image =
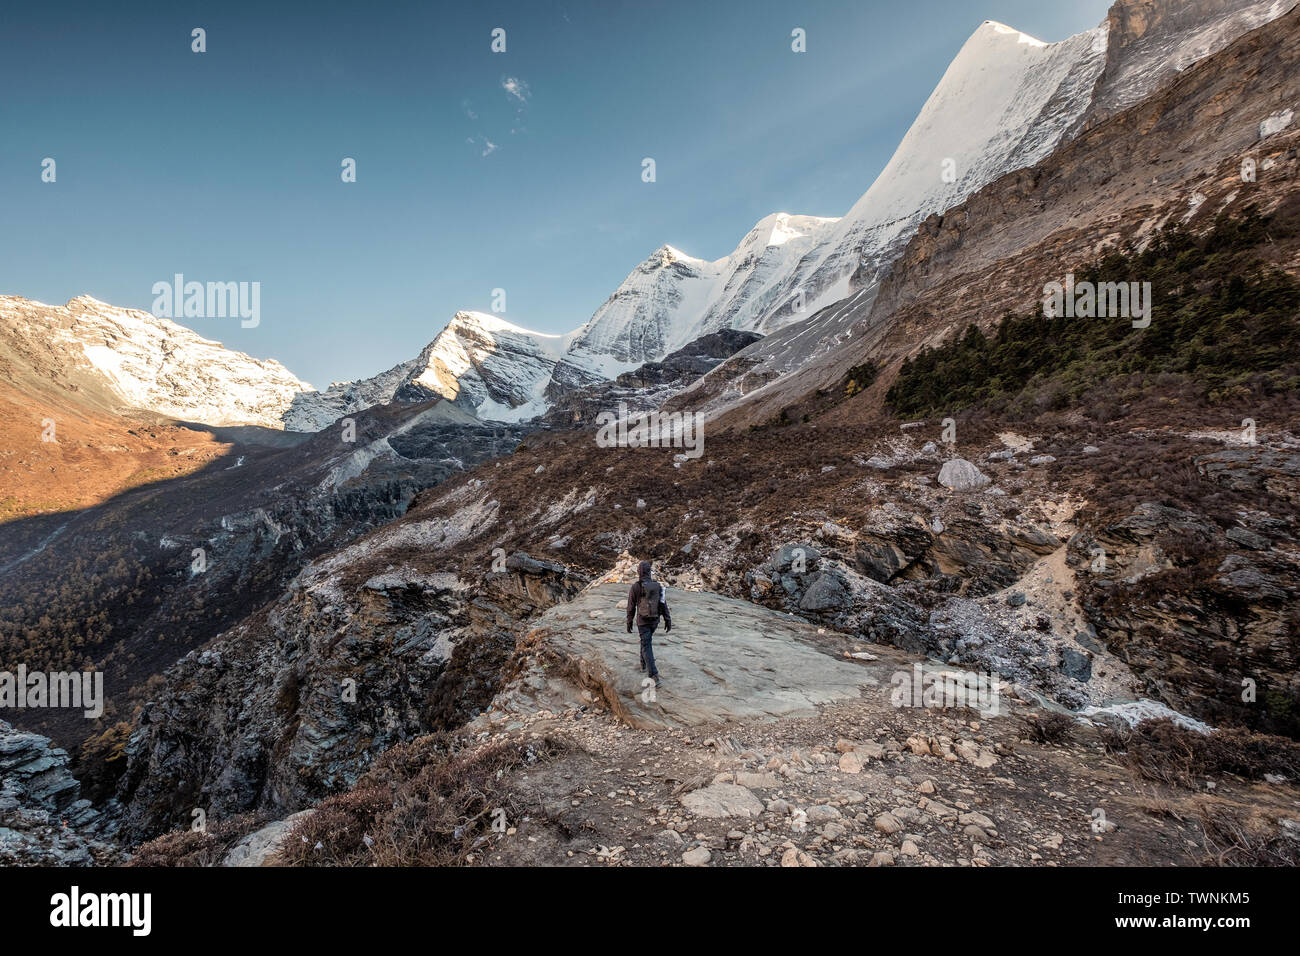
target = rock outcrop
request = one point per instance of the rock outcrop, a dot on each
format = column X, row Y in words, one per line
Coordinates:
column 1203, row 614
column 648, row 386
column 43, row 818
column 296, row 702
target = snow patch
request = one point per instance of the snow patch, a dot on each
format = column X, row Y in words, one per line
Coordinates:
column 1133, row 712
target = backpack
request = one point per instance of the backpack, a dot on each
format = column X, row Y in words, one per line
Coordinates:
column 647, row 606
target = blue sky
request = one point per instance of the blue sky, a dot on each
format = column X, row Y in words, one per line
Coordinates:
column 225, row 165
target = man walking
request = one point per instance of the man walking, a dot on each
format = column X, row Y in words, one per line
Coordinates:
column 645, row 605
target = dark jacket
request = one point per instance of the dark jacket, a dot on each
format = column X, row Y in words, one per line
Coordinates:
column 634, row 598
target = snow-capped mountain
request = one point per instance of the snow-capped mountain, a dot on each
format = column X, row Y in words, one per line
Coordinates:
column 1003, row 104
column 1006, row 102
column 671, row 298
column 134, row 360
column 482, row 363
column 503, row 372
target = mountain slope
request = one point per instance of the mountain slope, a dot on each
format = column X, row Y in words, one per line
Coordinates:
column 485, row 365
column 1006, row 102
column 119, row 359
column 1152, row 40
column 127, row 585
column 1118, row 181
column 671, row 298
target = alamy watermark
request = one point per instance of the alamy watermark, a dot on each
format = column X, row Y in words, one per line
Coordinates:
column 211, row 300
column 127, row 910
column 1099, row 300
column 945, row 688
column 25, row 689
column 683, row 430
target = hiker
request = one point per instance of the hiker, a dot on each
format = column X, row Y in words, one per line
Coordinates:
column 646, row 604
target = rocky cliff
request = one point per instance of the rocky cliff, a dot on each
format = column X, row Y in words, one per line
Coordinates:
column 296, row 702
column 44, row 820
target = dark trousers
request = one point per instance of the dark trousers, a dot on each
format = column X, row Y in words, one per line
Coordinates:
column 647, row 632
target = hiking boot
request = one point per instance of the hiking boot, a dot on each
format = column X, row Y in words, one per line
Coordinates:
column 659, row 681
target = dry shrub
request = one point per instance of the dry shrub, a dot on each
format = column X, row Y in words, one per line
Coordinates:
column 335, row 834
column 1166, row 752
column 1231, row 841
column 1115, row 737
column 198, row 848
column 1049, row 728
column 1155, row 805
column 428, row 802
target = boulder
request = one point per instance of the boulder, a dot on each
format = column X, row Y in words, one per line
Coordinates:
column 822, row 813
column 260, row 845
column 787, row 556
column 958, row 474
column 850, row 763
column 827, row 592
column 699, row 856
column 888, row 824
column 1075, row 664
column 720, row 800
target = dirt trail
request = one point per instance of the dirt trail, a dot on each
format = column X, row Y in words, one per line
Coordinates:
column 767, row 745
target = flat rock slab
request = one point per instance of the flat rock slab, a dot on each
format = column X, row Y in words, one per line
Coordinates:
column 724, row 659
column 722, row 800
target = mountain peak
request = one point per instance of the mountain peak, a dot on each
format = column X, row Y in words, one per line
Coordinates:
column 1000, row 31
column 89, row 301
column 666, row 255
column 780, row 227
column 154, row 364
column 486, row 321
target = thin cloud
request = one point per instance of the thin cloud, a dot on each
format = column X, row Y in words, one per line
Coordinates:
column 516, row 89
column 518, row 94
column 482, row 142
